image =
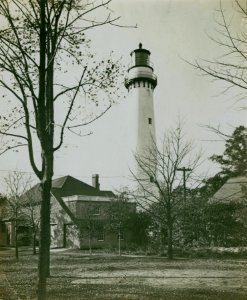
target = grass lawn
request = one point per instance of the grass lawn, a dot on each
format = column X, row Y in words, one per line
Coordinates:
column 76, row 275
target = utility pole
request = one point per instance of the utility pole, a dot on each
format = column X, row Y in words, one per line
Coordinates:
column 184, row 170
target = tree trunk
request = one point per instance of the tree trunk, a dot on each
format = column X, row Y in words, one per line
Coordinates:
column 169, row 234
column 44, row 241
column 119, row 241
column 162, row 239
column 16, row 240
column 170, row 242
column 34, row 242
column 90, row 244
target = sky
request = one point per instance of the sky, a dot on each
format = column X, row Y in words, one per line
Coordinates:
column 174, row 31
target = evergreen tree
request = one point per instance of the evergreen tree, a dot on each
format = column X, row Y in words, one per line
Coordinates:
column 234, row 159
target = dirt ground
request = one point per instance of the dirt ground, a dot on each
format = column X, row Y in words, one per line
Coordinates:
column 77, row 275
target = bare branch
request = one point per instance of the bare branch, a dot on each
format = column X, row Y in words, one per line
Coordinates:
column 231, row 66
column 217, row 131
column 12, row 147
column 13, row 135
column 69, row 111
column 92, row 120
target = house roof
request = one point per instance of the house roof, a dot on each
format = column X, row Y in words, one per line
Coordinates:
column 234, row 190
column 69, row 186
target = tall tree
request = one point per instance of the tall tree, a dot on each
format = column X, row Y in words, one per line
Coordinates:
column 42, row 48
column 159, row 178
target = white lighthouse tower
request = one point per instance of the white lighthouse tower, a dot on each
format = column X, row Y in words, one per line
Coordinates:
column 141, row 82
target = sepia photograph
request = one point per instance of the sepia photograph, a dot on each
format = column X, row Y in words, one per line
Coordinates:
column 123, row 149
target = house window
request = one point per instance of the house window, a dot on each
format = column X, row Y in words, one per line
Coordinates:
column 150, row 121
column 121, row 235
column 96, row 211
column 101, row 236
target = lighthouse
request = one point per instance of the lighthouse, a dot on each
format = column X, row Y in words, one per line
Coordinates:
column 141, row 82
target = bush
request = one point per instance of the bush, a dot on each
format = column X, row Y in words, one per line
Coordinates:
column 24, row 239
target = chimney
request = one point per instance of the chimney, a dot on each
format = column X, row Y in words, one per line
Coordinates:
column 95, row 181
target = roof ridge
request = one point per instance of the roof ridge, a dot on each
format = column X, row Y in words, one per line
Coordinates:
column 66, row 177
column 60, row 180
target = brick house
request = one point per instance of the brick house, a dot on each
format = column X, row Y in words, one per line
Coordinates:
column 80, row 214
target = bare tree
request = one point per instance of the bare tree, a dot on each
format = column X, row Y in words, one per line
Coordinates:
column 17, row 184
column 230, row 67
column 159, row 179
column 31, row 207
column 42, row 47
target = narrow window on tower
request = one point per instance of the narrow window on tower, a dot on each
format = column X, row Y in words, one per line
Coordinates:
column 150, row 121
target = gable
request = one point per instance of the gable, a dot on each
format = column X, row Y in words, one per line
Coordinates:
column 234, row 190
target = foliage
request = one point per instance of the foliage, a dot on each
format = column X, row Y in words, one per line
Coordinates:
column 224, row 225
column 139, row 224
column 90, row 224
column 120, row 216
column 3, row 201
column 205, row 223
column 191, row 225
column 119, row 212
column 234, row 159
column 212, row 185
